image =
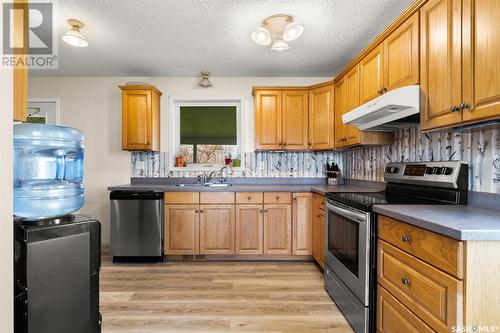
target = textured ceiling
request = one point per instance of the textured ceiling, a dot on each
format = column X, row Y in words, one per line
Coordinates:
column 182, row 37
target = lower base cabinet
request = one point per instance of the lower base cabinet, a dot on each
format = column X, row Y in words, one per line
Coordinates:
column 394, row 317
column 302, row 224
column 249, row 229
column 318, row 229
column 217, row 229
column 278, row 229
column 181, row 232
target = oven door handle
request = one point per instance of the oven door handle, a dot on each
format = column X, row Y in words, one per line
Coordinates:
column 354, row 216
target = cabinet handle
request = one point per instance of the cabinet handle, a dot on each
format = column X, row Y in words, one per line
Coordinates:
column 405, row 238
column 454, row 108
column 465, row 106
column 201, row 211
column 196, row 211
column 277, row 197
column 405, row 281
column 384, row 90
column 249, row 198
column 379, row 92
column 261, row 211
column 318, row 215
column 265, row 210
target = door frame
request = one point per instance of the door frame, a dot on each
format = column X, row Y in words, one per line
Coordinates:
column 55, row 100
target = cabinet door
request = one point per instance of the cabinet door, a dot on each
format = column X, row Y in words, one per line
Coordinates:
column 321, row 118
column 481, row 62
column 319, row 237
column 249, row 229
column 181, row 229
column 295, row 119
column 401, row 55
column 371, row 75
column 136, row 119
column 217, row 229
column 340, row 109
column 440, row 68
column 352, row 102
column 278, row 229
column 394, row 317
column 302, row 224
column 268, row 119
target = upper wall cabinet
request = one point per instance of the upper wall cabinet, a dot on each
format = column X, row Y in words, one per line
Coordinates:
column 441, row 61
column 140, row 118
column 295, row 119
column 393, row 63
column 372, row 81
column 401, row 55
column 321, row 117
column 281, row 119
column 481, row 60
column 268, row 119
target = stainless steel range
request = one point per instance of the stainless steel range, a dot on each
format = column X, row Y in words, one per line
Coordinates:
column 350, row 231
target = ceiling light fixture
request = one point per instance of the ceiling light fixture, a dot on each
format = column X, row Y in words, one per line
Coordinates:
column 205, row 82
column 281, row 28
column 74, row 37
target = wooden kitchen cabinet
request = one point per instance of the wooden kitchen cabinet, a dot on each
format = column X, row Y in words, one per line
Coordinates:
column 278, row 229
column 481, row 60
column 321, row 117
column 249, row 229
column 441, row 63
column 318, row 229
column 295, row 119
column 181, row 229
column 341, row 131
column 371, row 75
column 268, row 119
column 281, row 118
column 217, row 229
column 441, row 281
column 302, row 224
column 140, row 118
column 401, row 55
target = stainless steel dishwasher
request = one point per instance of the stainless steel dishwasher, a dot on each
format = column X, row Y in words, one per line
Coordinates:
column 136, row 225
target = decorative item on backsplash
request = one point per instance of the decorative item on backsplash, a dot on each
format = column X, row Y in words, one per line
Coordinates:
column 481, row 150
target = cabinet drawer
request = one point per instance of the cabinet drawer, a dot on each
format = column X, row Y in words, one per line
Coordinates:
column 182, row 197
column 431, row 294
column 249, row 197
column 394, row 317
column 217, row 197
column 438, row 250
column 277, row 197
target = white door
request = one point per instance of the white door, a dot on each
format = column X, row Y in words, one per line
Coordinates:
column 43, row 112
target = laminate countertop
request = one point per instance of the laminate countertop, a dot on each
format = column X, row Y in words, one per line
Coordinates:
column 315, row 188
column 458, row 222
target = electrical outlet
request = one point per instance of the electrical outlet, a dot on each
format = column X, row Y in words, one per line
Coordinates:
column 261, row 165
column 139, row 164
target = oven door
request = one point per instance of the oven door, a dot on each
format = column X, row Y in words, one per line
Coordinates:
column 347, row 247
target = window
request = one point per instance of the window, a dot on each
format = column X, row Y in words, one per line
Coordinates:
column 208, row 133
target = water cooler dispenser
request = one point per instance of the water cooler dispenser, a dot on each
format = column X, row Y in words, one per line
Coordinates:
column 56, row 253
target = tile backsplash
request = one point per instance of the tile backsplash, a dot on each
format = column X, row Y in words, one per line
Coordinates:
column 481, row 150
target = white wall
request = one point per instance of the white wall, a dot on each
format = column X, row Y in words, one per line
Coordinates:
column 6, row 236
column 93, row 105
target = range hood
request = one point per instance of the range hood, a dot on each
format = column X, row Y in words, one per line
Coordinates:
column 396, row 109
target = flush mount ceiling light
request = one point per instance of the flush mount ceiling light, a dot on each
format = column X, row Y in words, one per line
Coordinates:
column 205, row 82
column 74, row 37
column 281, row 28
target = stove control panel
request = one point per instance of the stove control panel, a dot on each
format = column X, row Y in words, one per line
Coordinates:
column 449, row 174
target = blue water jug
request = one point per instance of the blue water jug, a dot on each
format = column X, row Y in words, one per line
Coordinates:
column 48, row 171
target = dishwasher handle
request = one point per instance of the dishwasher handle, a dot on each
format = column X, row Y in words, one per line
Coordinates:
column 134, row 195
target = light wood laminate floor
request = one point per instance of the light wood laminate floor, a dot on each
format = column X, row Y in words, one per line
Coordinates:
column 266, row 297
